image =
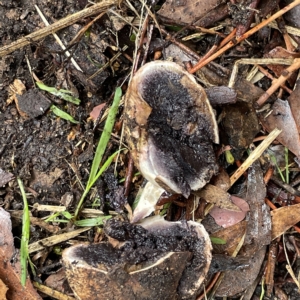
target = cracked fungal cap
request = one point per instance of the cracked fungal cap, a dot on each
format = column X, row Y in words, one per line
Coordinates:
column 156, row 259
column 170, row 128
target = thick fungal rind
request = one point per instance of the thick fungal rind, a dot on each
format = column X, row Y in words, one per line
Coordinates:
column 170, row 127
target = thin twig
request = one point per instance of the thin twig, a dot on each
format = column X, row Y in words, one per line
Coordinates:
column 254, row 155
column 129, row 176
column 281, row 80
column 245, row 35
column 228, row 38
column 58, row 40
column 149, row 37
column 270, row 76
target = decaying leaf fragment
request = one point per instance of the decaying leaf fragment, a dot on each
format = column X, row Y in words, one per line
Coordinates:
column 281, row 117
column 284, row 218
column 186, row 11
column 258, row 235
column 217, row 196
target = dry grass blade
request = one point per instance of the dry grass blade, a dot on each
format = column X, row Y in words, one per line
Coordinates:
column 256, row 61
column 50, row 292
column 254, row 155
column 58, row 40
column 53, row 240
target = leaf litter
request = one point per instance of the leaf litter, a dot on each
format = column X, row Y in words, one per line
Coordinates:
column 195, row 35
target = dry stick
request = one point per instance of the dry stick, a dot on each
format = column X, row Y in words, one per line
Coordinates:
column 268, row 174
column 58, row 40
column 254, row 155
column 149, row 38
column 51, row 292
column 210, row 286
column 186, row 49
column 129, row 176
column 141, row 40
column 272, row 255
column 281, row 80
column 245, row 35
column 270, row 76
column 228, row 38
column 41, row 33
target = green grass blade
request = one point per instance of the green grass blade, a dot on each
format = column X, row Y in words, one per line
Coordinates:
column 89, row 186
column 287, row 172
column 217, row 241
column 60, row 113
column 105, row 166
column 105, row 136
column 274, row 161
column 92, row 222
column 25, row 234
column 63, row 94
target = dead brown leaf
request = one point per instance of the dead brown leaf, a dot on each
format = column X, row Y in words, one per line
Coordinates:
column 258, row 231
column 56, row 281
column 44, row 179
column 281, row 117
column 94, row 114
column 3, row 290
column 234, row 282
column 5, row 177
column 280, row 52
column 284, row 218
column 294, row 102
column 221, row 180
column 186, row 11
column 232, row 235
column 258, row 235
column 6, row 239
column 217, row 196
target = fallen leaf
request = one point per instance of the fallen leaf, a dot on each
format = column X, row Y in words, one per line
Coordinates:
column 240, row 124
column 217, row 196
column 281, row 117
column 5, row 177
column 232, row 235
column 186, row 11
column 295, row 104
column 221, row 180
column 227, row 218
column 279, row 52
column 56, row 281
column 236, row 281
column 44, row 179
column 284, row 218
column 258, row 235
column 259, row 225
column 32, row 104
column 3, row 290
column 94, row 114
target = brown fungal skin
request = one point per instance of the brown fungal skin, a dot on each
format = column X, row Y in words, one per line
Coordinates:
column 170, row 128
column 154, row 260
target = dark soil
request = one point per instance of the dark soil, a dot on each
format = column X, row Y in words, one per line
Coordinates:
column 52, row 155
